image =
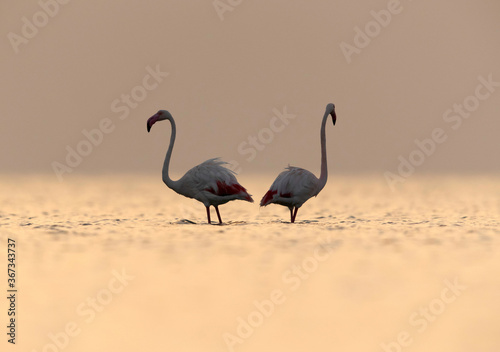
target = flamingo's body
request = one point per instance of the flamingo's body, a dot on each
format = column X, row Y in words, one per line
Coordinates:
column 294, row 186
column 210, row 182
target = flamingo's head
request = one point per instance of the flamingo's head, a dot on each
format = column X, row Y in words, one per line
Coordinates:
column 159, row 116
column 330, row 108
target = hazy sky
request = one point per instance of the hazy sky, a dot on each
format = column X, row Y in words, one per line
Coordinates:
column 233, row 68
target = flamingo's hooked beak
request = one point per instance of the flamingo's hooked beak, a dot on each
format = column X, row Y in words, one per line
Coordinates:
column 334, row 117
column 152, row 120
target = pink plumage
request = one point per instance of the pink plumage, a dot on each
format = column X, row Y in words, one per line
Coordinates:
column 224, row 189
column 268, row 197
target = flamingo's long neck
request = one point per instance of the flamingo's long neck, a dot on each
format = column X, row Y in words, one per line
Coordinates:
column 324, row 168
column 166, row 179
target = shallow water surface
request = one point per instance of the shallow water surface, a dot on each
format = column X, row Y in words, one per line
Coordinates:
column 121, row 263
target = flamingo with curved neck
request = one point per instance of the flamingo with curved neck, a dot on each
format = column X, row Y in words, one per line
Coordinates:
column 210, row 182
column 294, row 186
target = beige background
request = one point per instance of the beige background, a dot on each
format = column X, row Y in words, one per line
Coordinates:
column 226, row 77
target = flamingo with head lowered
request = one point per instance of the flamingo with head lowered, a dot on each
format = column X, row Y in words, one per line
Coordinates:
column 210, row 182
column 294, row 186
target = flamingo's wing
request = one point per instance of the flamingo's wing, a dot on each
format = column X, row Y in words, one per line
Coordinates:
column 293, row 182
column 206, row 174
column 214, row 177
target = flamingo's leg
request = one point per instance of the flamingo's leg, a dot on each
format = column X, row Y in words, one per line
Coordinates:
column 291, row 214
column 208, row 214
column 218, row 214
column 294, row 214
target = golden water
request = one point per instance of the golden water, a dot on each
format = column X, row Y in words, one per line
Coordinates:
column 363, row 269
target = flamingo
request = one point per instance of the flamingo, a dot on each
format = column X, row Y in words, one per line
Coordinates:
column 210, row 182
column 294, row 186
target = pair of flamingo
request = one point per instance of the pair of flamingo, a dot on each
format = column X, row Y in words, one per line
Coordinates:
column 213, row 184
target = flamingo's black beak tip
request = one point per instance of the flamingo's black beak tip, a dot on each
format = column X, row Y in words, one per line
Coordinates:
column 334, row 117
